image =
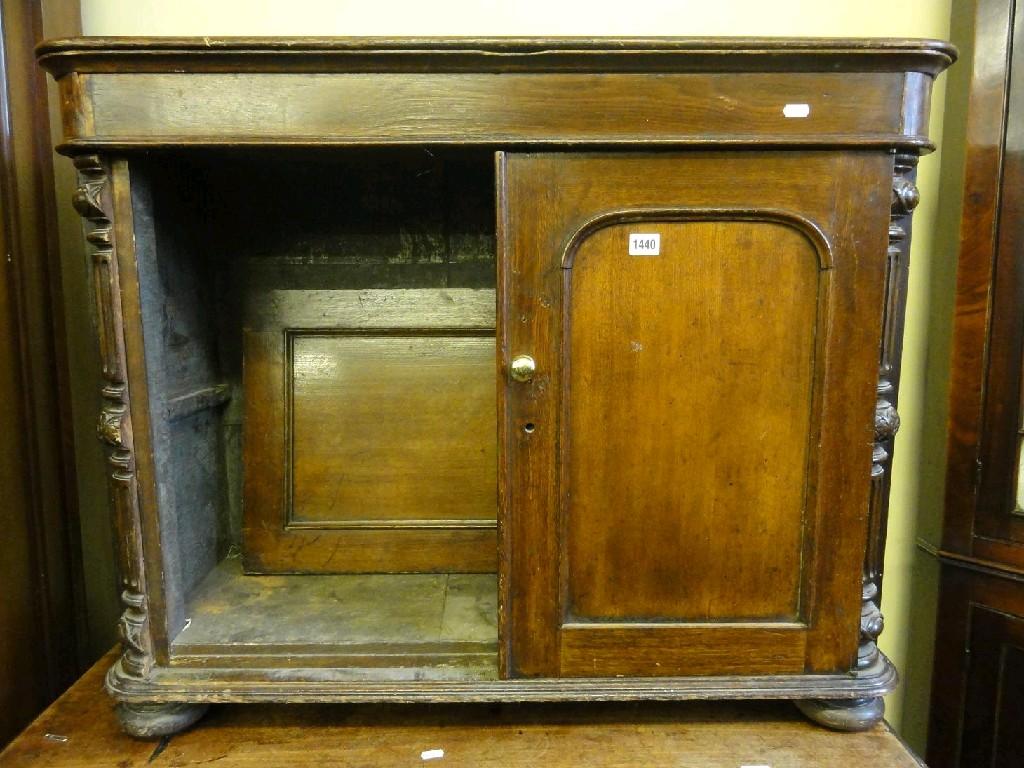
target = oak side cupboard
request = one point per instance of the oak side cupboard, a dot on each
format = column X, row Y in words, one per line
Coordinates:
column 498, row 369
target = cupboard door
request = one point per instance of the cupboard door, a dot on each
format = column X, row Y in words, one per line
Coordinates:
column 994, row 697
column 689, row 346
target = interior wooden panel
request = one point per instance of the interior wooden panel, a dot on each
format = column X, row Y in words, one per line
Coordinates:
column 386, row 266
column 392, row 428
column 688, row 411
column 370, row 431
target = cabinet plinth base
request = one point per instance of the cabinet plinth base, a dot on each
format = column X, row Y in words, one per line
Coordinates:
column 844, row 714
column 289, row 684
column 151, row 721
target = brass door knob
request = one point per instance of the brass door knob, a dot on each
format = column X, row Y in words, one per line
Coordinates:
column 523, row 367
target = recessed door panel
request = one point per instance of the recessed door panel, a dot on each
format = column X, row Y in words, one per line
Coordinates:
column 687, row 414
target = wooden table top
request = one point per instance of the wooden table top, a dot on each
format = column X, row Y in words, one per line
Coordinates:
column 80, row 729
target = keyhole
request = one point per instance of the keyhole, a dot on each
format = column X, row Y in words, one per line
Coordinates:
column 529, row 427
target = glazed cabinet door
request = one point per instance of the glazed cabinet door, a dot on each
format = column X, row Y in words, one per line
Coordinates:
column 688, row 346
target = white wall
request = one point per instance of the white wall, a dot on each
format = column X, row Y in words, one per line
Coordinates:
column 880, row 18
column 892, row 18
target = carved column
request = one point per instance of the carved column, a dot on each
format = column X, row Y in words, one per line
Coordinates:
column 905, row 198
column 92, row 200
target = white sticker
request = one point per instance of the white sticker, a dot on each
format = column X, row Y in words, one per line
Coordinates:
column 796, row 110
column 642, row 244
column 431, row 754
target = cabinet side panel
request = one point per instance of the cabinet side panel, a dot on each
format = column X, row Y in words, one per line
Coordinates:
column 176, row 304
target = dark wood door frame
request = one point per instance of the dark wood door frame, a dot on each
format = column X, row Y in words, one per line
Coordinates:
column 985, row 405
column 38, row 650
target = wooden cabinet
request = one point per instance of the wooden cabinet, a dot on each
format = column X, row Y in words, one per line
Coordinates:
column 978, row 675
column 498, row 369
column 979, row 670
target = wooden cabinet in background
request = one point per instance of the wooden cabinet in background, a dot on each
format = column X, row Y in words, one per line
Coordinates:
column 977, row 704
column 498, row 370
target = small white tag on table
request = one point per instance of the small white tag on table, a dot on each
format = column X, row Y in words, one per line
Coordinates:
column 796, row 110
column 645, row 244
column 431, row 754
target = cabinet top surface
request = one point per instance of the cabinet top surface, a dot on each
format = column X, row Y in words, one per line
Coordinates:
column 175, row 92
column 671, row 54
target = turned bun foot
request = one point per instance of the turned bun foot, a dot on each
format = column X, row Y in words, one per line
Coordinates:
column 151, row 721
column 844, row 714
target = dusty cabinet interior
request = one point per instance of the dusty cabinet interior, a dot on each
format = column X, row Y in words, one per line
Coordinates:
column 320, row 356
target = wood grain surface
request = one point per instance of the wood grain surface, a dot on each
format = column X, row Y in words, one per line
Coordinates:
column 763, row 264
column 982, row 518
column 976, row 704
column 382, row 405
column 342, row 620
column 493, row 54
column 393, row 428
column 128, row 92
column 481, row 108
column 80, row 730
column 689, row 397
